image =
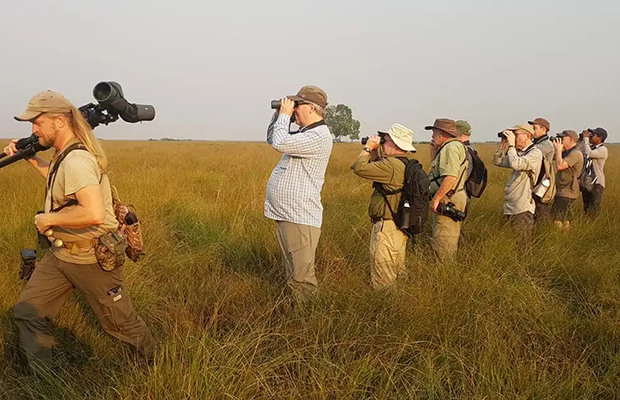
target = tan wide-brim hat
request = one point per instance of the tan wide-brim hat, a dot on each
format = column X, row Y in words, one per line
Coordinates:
column 446, row 125
column 45, row 102
column 401, row 135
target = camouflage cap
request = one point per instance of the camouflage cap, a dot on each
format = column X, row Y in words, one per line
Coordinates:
column 463, row 127
column 311, row 94
column 45, row 102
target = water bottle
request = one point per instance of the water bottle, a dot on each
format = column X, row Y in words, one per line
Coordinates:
column 405, row 213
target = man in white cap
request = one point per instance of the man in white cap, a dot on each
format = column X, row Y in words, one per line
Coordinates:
column 386, row 168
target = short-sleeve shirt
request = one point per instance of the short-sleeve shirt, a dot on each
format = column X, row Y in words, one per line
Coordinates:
column 567, row 180
column 76, row 172
column 450, row 161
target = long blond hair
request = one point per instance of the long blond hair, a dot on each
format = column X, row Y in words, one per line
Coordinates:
column 84, row 134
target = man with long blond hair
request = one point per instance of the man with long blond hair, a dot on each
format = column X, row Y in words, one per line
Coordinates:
column 78, row 211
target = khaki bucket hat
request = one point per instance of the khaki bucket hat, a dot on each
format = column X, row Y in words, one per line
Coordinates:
column 401, row 135
column 45, row 102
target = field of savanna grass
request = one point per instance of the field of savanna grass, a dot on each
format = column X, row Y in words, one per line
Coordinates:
column 499, row 323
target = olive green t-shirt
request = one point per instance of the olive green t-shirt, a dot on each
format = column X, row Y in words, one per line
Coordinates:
column 78, row 171
column 451, row 160
column 567, row 180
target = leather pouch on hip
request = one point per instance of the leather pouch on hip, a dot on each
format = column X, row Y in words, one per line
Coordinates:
column 110, row 251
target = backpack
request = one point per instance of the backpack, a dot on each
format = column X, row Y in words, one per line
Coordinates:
column 477, row 180
column 588, row 178
column 412, row 212
column 544, row 186
column 129, row 225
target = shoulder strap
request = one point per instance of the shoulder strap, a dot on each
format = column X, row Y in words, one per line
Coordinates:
column 384, row 193
column 51, row 176
column 437, row 178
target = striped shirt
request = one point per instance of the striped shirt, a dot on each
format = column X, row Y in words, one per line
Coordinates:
column 294, row 189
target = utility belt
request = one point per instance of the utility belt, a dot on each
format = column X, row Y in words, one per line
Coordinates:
column 109, row 248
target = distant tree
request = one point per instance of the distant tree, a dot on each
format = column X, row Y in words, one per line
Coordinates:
column 340, row 121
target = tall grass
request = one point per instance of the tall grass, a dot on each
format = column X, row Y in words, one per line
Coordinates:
column 499, row 323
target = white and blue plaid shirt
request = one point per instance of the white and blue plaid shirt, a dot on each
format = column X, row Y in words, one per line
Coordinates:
column 294, row 189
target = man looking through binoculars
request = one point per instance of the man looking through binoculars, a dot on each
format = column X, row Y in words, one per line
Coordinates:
column 294, row 189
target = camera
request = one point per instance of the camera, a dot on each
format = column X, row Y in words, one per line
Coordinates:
column 365, row 139
column 449, row 210
column 28, row 263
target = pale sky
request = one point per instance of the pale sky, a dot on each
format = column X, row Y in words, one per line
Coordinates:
column 211, row 68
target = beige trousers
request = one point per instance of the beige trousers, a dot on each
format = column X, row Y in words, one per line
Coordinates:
column 388, row 246
column 446, row 231
column 298, row 244
column 51, row 285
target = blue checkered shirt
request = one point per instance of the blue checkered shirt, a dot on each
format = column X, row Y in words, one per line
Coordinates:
column 294, row 189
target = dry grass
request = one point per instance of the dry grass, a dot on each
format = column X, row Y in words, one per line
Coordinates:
column 496, row 324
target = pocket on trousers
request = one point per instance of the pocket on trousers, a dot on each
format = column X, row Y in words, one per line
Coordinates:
column 117, row 311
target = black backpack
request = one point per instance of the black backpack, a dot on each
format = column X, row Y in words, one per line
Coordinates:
column 477, row 181
column 412, row 212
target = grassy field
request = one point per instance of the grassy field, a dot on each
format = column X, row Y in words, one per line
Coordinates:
column 496, row 324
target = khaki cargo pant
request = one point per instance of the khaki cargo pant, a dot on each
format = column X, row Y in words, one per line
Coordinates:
column 298, row 244
column 51, row 285
column 388, row 246
column 446, row 231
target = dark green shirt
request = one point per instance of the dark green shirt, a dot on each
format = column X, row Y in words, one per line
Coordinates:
column 388, row 170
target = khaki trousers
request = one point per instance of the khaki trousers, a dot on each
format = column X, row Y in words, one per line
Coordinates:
column 388, row 246
column 446, row 231
column 298, row 244
column 51, row 285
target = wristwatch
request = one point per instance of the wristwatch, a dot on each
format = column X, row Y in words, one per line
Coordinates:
column 366, row 149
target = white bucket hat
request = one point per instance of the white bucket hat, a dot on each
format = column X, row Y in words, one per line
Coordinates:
column 402, row 136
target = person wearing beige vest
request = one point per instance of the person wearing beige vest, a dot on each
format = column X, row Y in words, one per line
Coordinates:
column 78, row 210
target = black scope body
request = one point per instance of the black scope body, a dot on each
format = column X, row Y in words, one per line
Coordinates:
column 500, row 134
column 365, row 140
column 110, row 96
column 449, row 210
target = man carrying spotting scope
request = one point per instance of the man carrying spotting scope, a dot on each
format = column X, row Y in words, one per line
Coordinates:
column 79, row 213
